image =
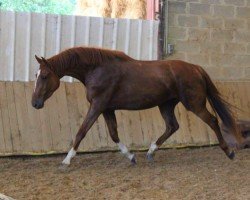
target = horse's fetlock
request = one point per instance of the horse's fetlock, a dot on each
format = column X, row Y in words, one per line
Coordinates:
column 224, row 147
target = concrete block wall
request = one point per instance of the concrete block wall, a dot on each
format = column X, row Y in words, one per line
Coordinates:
column 212, row 33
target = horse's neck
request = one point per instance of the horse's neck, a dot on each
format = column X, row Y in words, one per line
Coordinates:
column 77, row 73
column 62, row 66
column 58, row 67
column 76, row 70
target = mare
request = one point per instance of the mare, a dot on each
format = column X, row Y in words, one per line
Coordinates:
column 116, row 81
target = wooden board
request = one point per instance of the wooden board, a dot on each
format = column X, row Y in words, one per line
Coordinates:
column 15, row 133
column 3, row 141
column 34, row 121
column 23, row 117
column 24, row 129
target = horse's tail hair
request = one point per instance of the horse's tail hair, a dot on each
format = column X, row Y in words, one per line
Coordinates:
column 221, row 106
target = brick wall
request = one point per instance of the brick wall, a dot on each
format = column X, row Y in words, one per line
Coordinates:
column 214, row 34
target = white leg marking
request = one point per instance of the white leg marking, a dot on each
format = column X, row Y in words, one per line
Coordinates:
column 70, row 155
column 152, row 148
column 125, row 151
column 37, row 75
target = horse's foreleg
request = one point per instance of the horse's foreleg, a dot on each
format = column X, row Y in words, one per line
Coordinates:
column 92, row 115
column 167, row 112
column 110, row 119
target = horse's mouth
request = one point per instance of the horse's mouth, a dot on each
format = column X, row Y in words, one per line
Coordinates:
column 38, row 104
column 38, row 107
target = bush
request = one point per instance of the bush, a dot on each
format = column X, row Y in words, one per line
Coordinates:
column 41, row 6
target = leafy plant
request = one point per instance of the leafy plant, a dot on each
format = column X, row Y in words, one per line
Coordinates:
column 42, row 6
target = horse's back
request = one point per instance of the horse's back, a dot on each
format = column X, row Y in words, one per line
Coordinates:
column 146, row 84
column 184, row 70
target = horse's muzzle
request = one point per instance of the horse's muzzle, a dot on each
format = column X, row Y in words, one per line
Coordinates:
column 38, row 104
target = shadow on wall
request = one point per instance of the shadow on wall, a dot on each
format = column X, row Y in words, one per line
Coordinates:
column 133, row 9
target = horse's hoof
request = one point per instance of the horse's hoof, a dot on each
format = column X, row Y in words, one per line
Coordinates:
column 231, row 155
column 150, row 157
column 133, row 160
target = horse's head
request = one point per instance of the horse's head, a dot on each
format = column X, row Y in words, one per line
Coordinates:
column 45, row 85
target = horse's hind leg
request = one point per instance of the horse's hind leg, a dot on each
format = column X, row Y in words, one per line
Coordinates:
column 167, row 112
column 212, row 121
column 110, row 119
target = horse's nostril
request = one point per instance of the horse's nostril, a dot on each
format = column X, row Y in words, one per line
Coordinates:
column 37, row 105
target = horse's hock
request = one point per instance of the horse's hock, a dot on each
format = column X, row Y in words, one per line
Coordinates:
column 210, row 38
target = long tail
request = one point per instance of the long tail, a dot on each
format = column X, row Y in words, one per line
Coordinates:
column 221, row 107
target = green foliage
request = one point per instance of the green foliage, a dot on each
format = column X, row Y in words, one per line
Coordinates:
column 41, row 6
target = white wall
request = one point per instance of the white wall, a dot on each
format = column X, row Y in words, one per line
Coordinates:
column 22, row 35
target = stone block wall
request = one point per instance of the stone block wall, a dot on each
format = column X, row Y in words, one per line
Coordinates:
column 212, row 33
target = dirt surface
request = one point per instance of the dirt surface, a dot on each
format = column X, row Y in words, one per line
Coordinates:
column 203, row 173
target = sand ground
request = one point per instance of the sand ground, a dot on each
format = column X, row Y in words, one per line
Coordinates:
column 203, row 173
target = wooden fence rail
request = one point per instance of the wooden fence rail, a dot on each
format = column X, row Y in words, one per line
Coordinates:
column 25, row 130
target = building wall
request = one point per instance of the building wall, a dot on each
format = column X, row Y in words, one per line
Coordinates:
column 214, row 34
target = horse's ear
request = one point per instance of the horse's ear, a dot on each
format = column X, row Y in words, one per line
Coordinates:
column 39, row 60
column 46, row 62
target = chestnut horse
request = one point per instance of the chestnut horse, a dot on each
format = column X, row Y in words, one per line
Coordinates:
column 115, row 81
